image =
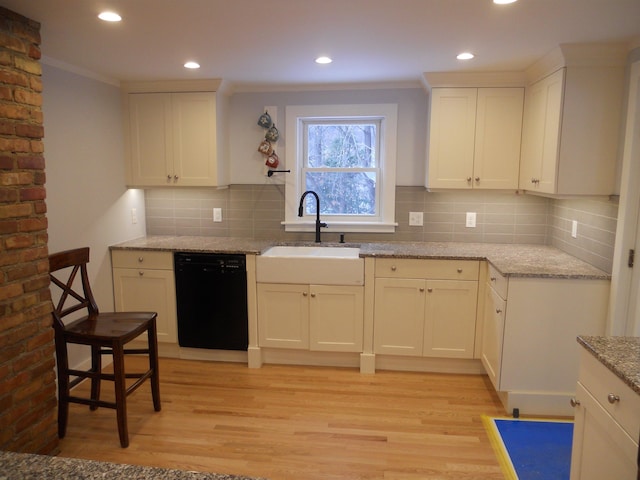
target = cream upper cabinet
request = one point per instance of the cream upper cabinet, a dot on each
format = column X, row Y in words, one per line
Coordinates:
column 571, row 131
column 607, row 422
column 311, row 317
column 174, row 137
column 425, row 307
column 474, row 139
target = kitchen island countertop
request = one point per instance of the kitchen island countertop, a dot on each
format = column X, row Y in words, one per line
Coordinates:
column 621, row 355
column 511, row 260
column 27, row 466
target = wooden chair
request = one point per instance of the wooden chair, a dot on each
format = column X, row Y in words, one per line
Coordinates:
column 106, row 334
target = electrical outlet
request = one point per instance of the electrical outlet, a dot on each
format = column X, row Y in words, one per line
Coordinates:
column 217, row 214
column 134, row 216
column 471, row 220
column 415, row 219
column 574, row 229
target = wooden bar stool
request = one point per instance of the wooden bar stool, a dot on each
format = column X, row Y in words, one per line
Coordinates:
column 106, row 334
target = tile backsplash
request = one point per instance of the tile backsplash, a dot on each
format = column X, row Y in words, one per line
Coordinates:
column 256, row 211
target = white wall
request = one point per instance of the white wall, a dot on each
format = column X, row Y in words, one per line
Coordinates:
column 87, row 202
column 247, row 164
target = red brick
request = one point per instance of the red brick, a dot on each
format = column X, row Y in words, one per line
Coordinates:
column 35, row 83
column 27, row 97
column 34, row 52
column 18, row 241
column 33, row 193
column 6, row 163
column 21, row 271
column 32, row 162
column 12, row 43
column 36, row 146
column 6, row 58
column 35, row 284
column 14, row 112
column 41, row 339
column 11, row 290
column 16, row 178
column 28, row 65
column 11, row 77
column 28, row 30
column 32, row 224
column 31, row 131
column 8, row 195
column 15, row 145
column 39, row 208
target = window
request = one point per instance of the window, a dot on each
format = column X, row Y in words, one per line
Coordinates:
column 346, row 154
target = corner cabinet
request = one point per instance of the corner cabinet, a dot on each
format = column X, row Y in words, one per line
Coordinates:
column 311, row 317
column 175, row 138
column 144, row 281
column 607, row 424
column 570, row 133
column 425, row 307
column 474, row 138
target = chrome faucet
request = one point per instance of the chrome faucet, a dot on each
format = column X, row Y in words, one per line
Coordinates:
column 301, row 211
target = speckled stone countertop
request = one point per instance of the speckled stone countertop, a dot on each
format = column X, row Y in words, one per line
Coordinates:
column 621, row 355
column 510, row 260
column 25, row 466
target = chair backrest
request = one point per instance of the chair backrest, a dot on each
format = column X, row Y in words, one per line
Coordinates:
column 71, row 300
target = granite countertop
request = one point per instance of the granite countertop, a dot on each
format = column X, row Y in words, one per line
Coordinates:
column 621, row 355
column 26, row 466
column 511, row 260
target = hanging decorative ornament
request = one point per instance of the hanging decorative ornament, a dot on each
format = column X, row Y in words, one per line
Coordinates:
column 272, row 134
column 265, row 148
column 265, row 120
column 272, row 160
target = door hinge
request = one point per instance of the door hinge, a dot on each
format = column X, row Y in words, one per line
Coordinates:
column 632, row 254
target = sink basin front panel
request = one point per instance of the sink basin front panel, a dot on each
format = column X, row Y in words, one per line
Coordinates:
column 310, row 270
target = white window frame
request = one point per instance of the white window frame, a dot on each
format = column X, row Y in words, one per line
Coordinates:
column 296, row 116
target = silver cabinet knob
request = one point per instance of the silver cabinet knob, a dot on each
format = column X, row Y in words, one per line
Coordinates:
column 498, row 311
column 574, row 402
column 175, row 177
column 313, row 295
column 168, row 177
column 421, row 289
column 141, row 273
column 459, row 270
column 304, row 294
column 393, row 268
column 478, row 179
column 493, row 279
column 612, row 398
column 469, row 179
column 429, row 290
column 140, row 259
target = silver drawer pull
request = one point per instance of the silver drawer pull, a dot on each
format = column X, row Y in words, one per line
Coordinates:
column 612, row 398
column 141, row 273
column 459, row 270
column 574, row 402
column 498, row 311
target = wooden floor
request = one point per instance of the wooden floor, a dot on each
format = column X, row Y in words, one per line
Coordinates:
column 303, row 423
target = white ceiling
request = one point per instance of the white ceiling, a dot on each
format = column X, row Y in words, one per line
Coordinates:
column 274, row 42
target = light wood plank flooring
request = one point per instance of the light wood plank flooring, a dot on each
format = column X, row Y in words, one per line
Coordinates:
column 290, row 422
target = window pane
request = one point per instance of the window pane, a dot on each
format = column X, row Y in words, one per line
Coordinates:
column 342, row 193
column 341, row 145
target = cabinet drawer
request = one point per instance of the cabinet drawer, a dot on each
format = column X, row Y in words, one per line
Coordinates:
column 436, row 269
column 497, row 281
column 602, row 383
column 142, row 259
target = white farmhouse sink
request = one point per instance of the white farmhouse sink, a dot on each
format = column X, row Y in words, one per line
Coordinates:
column 311, row 265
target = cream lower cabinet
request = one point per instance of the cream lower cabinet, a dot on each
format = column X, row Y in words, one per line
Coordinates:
column 421, row 316
column 495, row 307
column 607, row 425
column 311, row 317
column 144, row 281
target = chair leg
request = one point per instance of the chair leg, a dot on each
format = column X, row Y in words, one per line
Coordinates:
column 96, row 367
column 153, row 365
column 121, row 394
column 63, row 402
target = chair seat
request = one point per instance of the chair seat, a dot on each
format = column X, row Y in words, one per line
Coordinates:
column 123, row 326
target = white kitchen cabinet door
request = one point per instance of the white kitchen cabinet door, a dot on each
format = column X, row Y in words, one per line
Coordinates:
column 492, row 335
column 336, row 318
column 151, row 141
column 399, row 316
column 148, row 290
column 541, row 134
column 451, row 137
column 450, row 318
column 601, row 448
column 498, row 134
column 283, row 315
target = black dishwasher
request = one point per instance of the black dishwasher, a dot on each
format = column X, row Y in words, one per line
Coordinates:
column 211, row 296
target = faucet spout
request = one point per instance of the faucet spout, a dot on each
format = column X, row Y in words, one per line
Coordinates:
column 301, row 212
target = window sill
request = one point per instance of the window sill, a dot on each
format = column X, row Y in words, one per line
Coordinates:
column 340, row 227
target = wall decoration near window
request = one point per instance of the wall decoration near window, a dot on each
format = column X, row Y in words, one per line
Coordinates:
column 270, row 137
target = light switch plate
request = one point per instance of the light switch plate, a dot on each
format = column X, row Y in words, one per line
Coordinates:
column 217, row 214
column 415, row 219
column 134, row 216
column 471, row 220
column 574, row 229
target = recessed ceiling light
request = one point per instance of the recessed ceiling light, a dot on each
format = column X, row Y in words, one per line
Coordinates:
column 323, row 60
column 110, row 17
column 465, row 56
column 504, row 2
column 192, row 65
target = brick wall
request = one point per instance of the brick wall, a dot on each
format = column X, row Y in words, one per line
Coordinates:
column 27, row 379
